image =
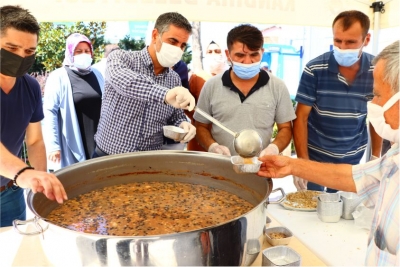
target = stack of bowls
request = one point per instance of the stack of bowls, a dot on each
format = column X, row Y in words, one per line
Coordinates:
column 329, row 207
column 350, row 203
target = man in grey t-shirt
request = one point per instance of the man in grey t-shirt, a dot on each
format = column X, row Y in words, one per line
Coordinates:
column 244, row 97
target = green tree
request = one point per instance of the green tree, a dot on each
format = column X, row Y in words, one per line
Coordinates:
column 131, row 44
column 51, row 48
column 187, row 55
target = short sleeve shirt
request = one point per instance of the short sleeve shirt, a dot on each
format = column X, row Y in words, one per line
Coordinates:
column 378, row 182
column 337, row 129
column 267, row 104
column 21, row 106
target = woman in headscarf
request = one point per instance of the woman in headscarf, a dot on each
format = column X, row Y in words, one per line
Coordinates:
column 72, row 103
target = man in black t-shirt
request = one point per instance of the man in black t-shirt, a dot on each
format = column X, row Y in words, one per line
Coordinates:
column 21, row 113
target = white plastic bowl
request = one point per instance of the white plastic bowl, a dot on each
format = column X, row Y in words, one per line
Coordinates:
column 174, row 132
column 280, row 256
column 280, row 241
column 240, row 166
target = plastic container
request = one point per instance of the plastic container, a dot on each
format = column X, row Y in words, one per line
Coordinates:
column 329, row 211
column 350, row 202
column 245, row 165
column 278, row 241
column 329, row 197
column 280, row 256
column 174, row 132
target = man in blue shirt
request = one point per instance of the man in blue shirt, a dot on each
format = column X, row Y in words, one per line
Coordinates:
column 332, row 99
column 21, row 113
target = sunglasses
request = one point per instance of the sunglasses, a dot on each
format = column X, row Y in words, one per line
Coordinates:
column 216, row 51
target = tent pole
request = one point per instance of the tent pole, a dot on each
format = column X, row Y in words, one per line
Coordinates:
column 378, row 9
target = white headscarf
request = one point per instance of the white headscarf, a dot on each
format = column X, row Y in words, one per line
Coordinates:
column 72, row 42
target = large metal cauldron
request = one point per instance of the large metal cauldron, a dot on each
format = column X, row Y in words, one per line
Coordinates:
column 235, row 242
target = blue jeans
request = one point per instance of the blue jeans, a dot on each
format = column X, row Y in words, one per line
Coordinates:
column 12, row 205
column 317, row 187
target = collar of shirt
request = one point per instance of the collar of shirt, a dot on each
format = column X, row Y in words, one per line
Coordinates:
column 262, row 80
column 148, row 62
column 333, row 66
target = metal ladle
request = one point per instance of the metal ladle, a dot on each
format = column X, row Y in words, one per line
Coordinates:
column 247, row 143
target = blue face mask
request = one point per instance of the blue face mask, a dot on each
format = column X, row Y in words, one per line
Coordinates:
column 347, row 57
column 246, row 71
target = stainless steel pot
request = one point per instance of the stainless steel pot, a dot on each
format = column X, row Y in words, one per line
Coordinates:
column 234, row 242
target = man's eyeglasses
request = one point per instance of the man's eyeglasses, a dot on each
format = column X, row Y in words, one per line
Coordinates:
column 369, row 97
column 216, row 51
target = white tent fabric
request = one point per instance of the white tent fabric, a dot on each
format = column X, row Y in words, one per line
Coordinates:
column 292, row 12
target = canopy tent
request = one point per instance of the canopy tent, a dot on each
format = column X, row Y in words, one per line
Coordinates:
column 293, row 12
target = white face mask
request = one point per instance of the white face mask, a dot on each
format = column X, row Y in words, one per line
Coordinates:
column 216, row 63
column 375, row 116
column 169, row 55
column 82, row 61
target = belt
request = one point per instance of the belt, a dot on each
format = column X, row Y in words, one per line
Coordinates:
column 8, row 185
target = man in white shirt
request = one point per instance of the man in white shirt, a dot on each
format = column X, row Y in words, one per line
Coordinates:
column 377, row 181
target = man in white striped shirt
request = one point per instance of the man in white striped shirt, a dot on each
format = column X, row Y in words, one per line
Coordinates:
column 377, row 181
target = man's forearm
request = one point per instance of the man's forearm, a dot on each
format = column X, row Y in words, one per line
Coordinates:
column 300, row 138
column 9, row 163
column 37, row 156
column 283, row 138
column 203, row 136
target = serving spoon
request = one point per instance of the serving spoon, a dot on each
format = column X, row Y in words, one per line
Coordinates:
column 247, row 143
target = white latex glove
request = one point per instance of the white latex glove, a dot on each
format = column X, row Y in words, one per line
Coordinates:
column 179, row 97
column 373, row 157
column 300, row 183
column 190, row 129
column 218, row 149
column 271, row 149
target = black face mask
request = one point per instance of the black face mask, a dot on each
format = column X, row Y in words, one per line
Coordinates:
column 14, row 65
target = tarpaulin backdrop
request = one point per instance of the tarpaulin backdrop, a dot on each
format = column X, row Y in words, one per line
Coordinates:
column 292, row 12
